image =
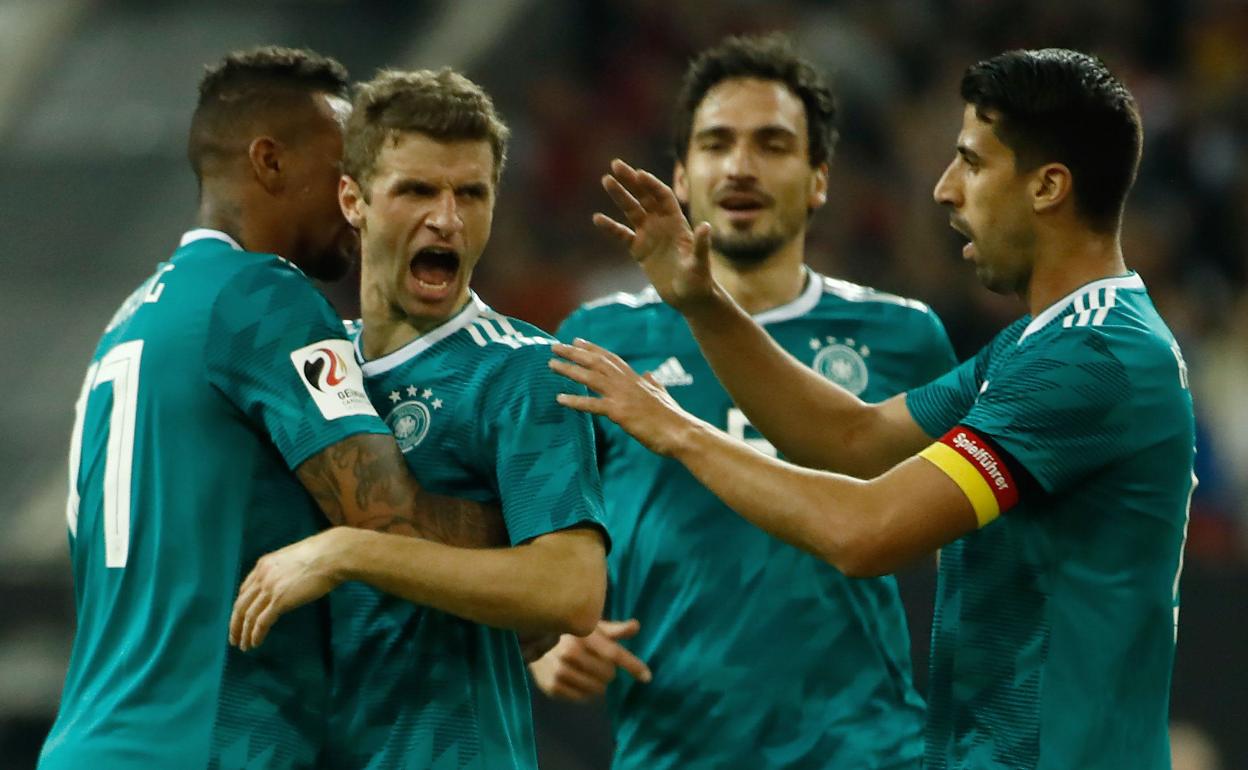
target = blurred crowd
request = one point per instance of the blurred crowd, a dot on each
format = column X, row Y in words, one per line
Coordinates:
column 607, row 90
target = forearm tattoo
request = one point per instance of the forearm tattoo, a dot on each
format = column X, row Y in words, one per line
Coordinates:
column 362, row 482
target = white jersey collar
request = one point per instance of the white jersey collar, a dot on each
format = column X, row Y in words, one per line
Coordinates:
column 1131, row 280
column 798, row 307
column 455, row 323
column 201, row 233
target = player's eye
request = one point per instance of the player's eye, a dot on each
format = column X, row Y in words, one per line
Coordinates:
column 416, row 190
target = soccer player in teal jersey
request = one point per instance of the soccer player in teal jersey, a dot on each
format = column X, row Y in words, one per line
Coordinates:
column 438, row 680
column 1058, row 482
column 762, row 656
column 221, row 374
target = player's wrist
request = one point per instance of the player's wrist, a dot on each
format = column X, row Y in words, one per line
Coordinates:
column 707, row 308
column 343, row 550
column 686, row 439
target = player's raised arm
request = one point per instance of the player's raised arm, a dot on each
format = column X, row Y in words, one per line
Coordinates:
column 811, row 420
column 362, row 481
column 863, row 528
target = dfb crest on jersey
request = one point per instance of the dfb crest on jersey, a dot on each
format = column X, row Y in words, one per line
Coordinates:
column 409, row 421
column 842, row 362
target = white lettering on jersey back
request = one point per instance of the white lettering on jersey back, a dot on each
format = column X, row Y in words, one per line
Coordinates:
column 150, row 291
column 333, row 378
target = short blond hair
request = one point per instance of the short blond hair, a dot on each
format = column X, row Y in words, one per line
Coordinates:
column 441, row 104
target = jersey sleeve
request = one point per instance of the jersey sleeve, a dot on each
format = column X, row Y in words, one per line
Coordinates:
column 278, row 352
column 579, row 324
column 544, row 455
column 1056, row 412
column 1061, row 409
column 943, row 402
column 936, row 356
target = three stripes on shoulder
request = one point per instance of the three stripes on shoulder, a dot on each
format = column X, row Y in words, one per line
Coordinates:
column 1090, row 308
column 495, row 328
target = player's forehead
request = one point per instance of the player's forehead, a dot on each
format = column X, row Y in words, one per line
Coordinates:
column 977, row 135
column 746, row 105
column 416, row 155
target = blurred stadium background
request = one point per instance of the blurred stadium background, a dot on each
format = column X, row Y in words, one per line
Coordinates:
column 95, row 99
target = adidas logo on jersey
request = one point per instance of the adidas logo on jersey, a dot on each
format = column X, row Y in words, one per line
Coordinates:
column 670, row 373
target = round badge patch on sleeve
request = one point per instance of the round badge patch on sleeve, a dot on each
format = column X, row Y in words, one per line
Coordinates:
column 332, row 377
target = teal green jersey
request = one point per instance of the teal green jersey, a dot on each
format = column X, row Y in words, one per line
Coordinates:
column 217, row 377
column 472, row 404
column 763, row 656
column 1055, row 623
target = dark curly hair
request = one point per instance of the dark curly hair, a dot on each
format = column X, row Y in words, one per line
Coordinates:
column 768, row 57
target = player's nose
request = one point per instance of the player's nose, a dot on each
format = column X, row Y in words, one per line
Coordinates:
column 946, row 192
column 445, row 218
column 741, row 162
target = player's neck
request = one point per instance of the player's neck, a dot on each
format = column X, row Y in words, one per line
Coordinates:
column 777, row 280
column 223, row 207
column 383, row 334
column 1070, row 262
column 224, row 215
column 387, row 328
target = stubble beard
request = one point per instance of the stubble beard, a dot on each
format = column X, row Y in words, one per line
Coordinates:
column 747, row 250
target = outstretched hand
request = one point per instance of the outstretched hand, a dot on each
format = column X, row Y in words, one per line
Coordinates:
column 637, row 403
column 674, row 256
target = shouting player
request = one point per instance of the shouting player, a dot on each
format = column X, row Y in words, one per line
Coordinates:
column 1053, row 469
column 756, row 654
column 438, row 679
column 221, row 374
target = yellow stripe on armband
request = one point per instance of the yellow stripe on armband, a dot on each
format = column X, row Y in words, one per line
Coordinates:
column 968, row 478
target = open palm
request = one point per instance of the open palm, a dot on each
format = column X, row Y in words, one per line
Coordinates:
column 674, row 256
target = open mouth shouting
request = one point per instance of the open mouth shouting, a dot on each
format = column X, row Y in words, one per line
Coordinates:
column 432, row 273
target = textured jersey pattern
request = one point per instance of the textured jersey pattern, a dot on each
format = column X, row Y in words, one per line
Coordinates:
column 220, row 418
column 473, row 407
column 1054, row 631
column 763, row 657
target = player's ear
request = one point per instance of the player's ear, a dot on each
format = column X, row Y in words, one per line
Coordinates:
column 351, row 201
column 818, row 193
column 680, row 184
column 267, row 163
column 1051, row 184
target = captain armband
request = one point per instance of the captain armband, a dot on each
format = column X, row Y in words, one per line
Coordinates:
column 978, row 468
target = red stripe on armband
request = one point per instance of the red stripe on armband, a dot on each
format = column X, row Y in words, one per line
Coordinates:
column 987, row 462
